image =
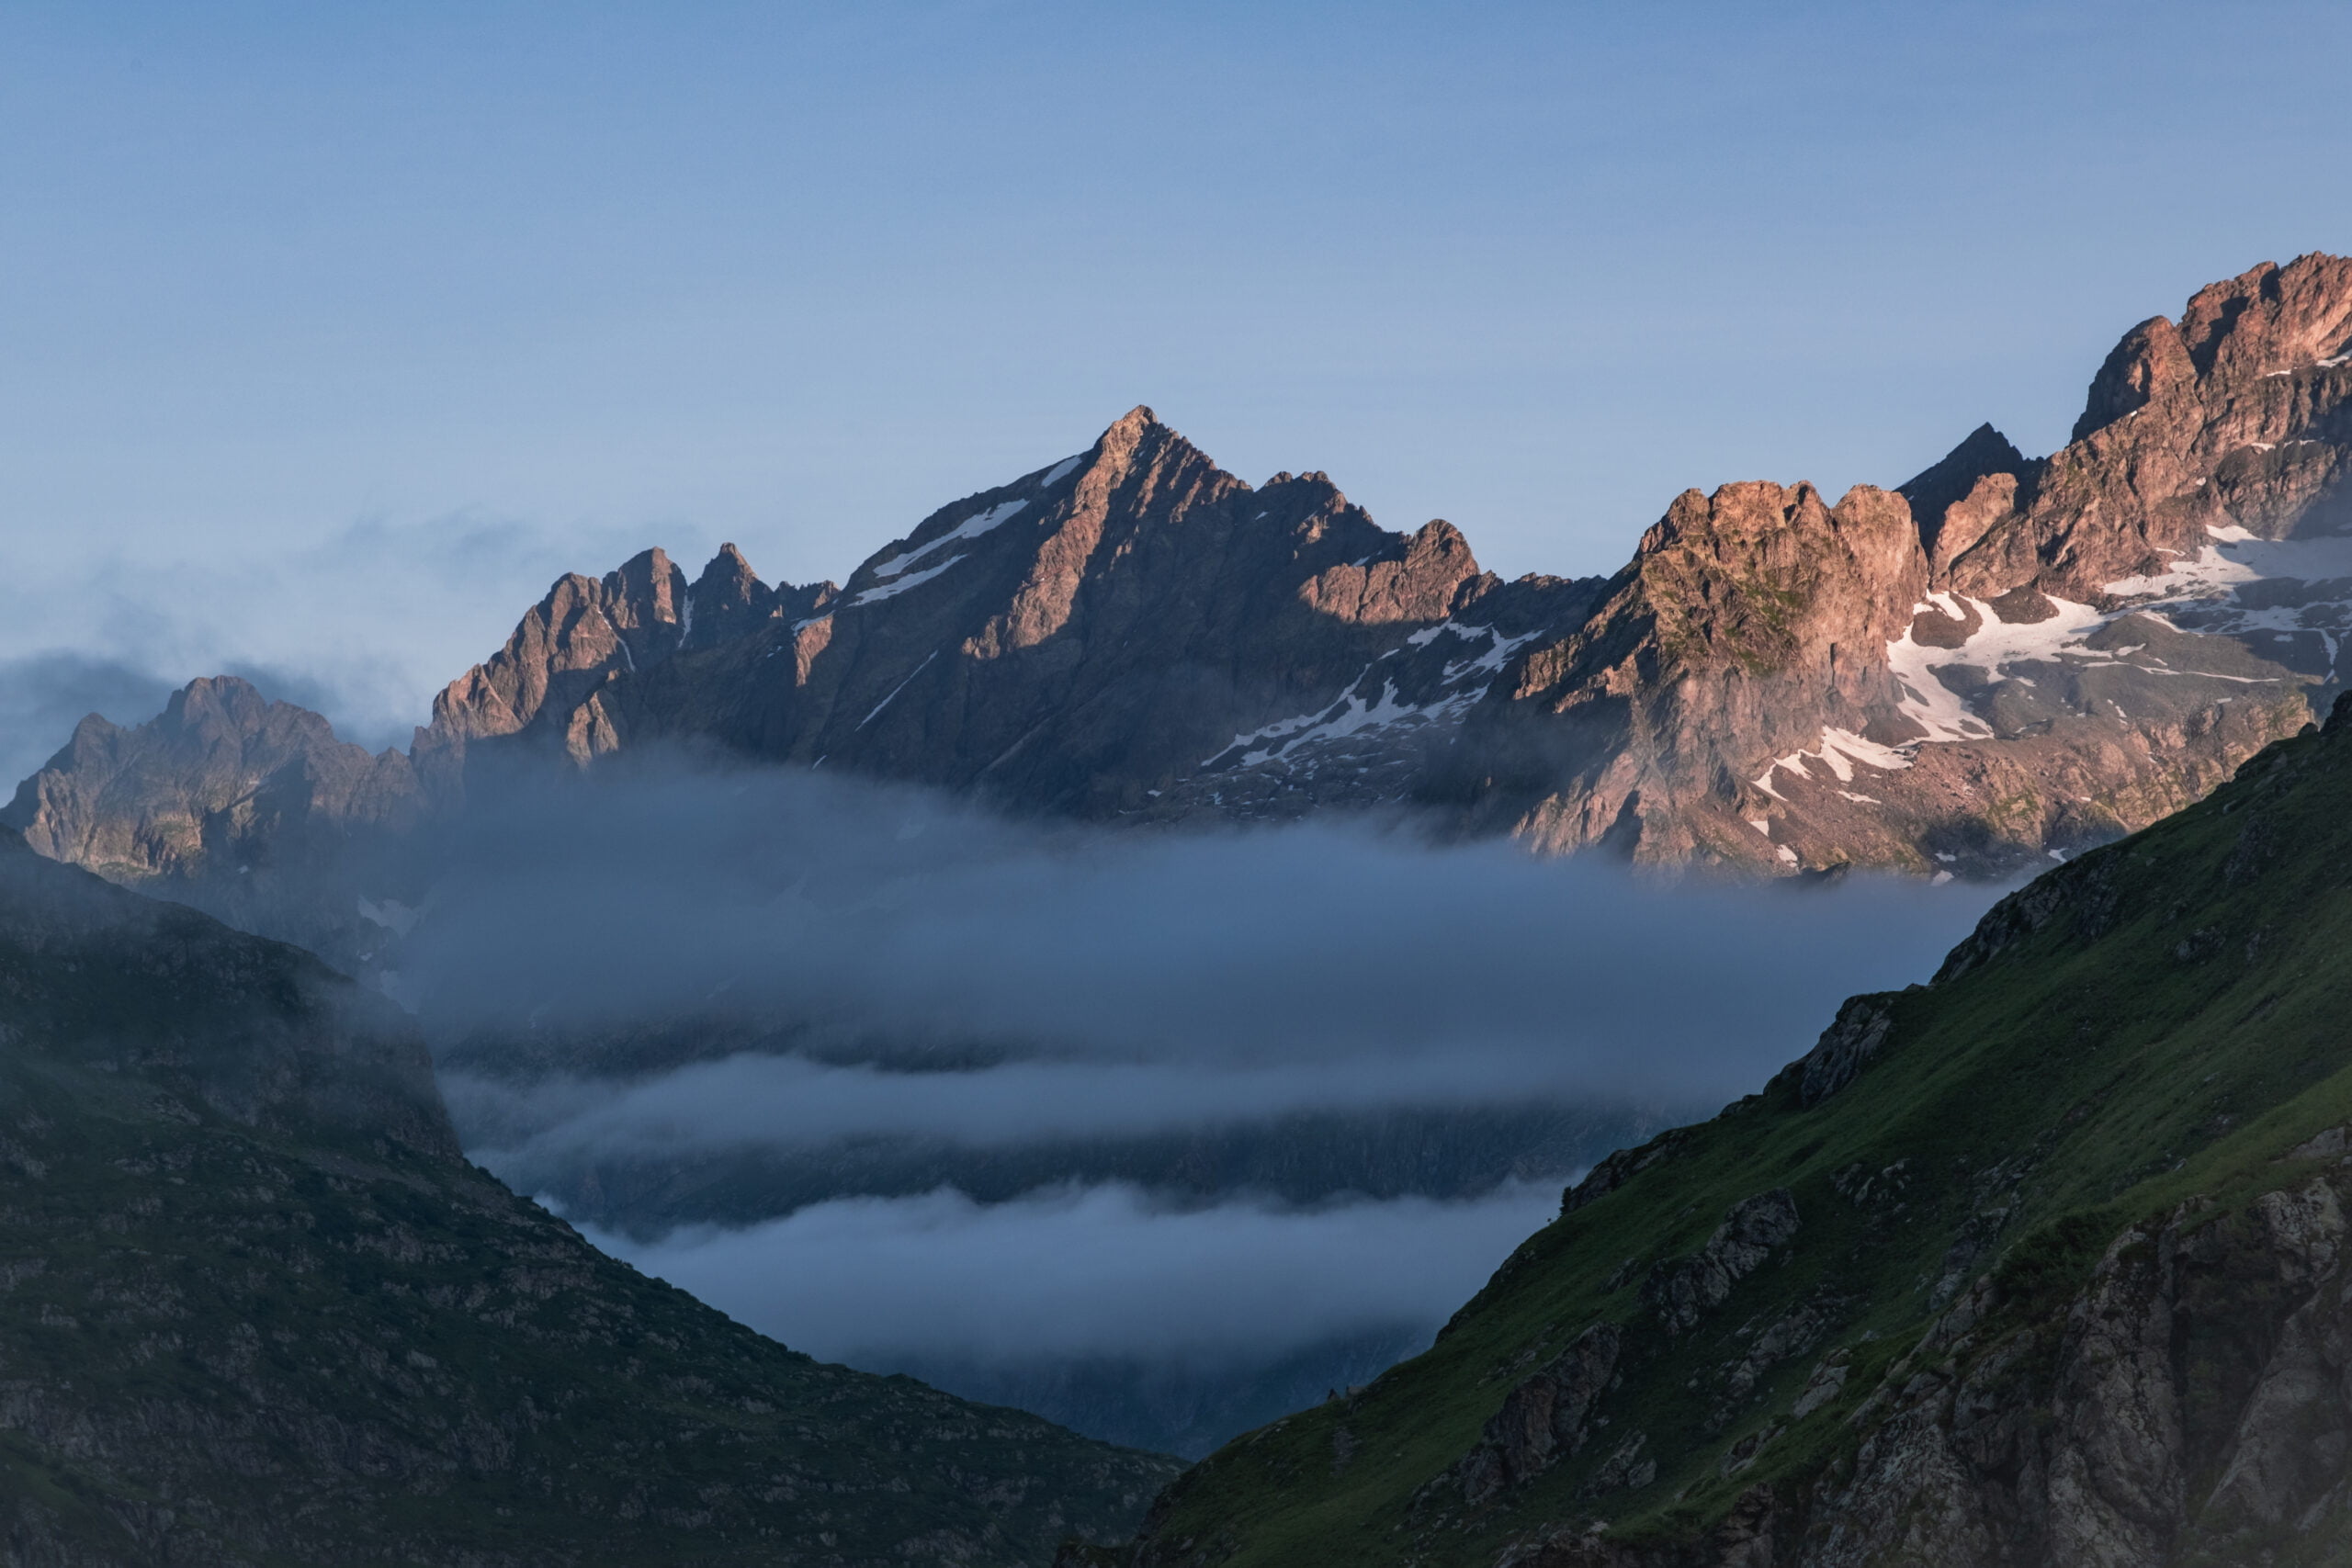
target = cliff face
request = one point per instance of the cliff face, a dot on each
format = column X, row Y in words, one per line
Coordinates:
column 1749, row 623
column 1130, row 632
column 2040, row 655
column 2229, row 419
column 2002, row 660
column 257, row 1308
column 2044, row 1263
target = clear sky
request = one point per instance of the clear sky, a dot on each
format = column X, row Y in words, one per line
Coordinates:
column 328, row 334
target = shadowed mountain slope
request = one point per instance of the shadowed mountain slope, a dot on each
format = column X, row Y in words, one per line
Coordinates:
column 2044, row 1263
column 259, row 1310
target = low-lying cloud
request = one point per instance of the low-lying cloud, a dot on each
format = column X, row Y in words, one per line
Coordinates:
column 687, row 895
column 752, row 1099
column 1060, row 984
column 1099, row 1271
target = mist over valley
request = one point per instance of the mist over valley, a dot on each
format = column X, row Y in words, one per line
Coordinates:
column 891, row 1076
column 1652, row 875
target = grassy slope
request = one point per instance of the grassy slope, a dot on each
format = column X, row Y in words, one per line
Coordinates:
column 2182, row 1015
column 238, row 1324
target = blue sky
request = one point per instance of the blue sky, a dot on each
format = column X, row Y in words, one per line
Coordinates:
column 414, row 304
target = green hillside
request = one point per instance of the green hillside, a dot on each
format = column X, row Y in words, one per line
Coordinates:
column 255, row 1309
column 2049, row 1265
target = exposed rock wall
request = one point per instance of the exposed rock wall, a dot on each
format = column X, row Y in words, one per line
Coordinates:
column 2193, row 1405
column 2003, row 659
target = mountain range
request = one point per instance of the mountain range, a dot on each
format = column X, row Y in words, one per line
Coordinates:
column 2034, row 1263
column 2001, row 659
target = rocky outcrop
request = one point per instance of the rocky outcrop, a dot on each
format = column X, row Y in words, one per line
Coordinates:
column 1544, row 1418
column 1681, row 1292
column 1749, row 623
column 2193, row 1403
column 1846, row 1047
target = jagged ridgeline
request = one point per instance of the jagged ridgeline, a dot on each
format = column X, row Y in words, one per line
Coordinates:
column 2042, row 1263
column 2000, row 658
column 255, row 1308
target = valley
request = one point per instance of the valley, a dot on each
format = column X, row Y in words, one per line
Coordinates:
column 1142, row 951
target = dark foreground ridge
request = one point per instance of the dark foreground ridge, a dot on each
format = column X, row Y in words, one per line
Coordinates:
column 254, row 1308
column 2044, row 1263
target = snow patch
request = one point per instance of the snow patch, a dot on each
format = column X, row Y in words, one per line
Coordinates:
column 1491, row 661
column 912, row 580
column 1352, row 714
column 1060, row 471
column 972, row 527
column 1935, row 707
column 901, row 686
column 1838, row 750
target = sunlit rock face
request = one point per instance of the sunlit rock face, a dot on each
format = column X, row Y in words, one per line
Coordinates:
column 2053, row 653
column 2003, row 660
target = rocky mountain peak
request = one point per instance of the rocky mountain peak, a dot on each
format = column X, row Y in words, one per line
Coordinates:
column 2271, row 318
column 2003, row 658
column 651, row 591
column 217, row 699
column 2230, row 419
column 226, row 799
column 2267, row 320
column 729, row 601
column 1958, row 477
column 583, row 630
column 727, row 592
column 2149, row 362
column 1129, row 426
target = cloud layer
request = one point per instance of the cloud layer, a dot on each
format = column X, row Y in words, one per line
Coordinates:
column 678, row 893
column 1094, row 1271
column 675, row 995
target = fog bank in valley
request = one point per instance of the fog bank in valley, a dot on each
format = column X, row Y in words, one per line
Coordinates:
column 637, row 977
column 1093, row 1272
column 1328, row 963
